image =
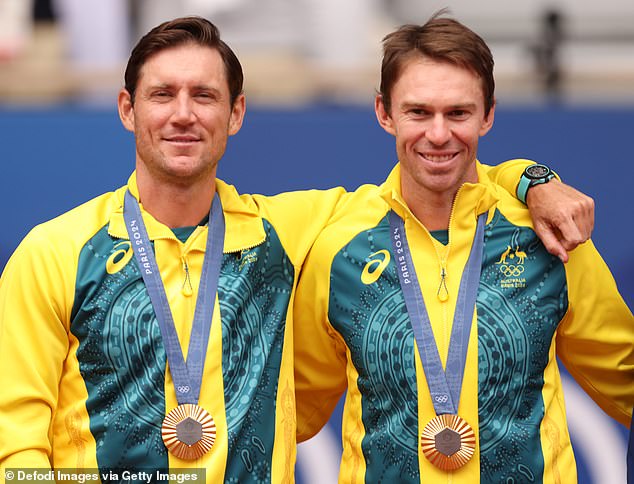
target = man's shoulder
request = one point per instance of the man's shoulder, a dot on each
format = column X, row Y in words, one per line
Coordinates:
column 359, row 213
column 78, row 223
column 60, row 240
column 299, row 199
column 515, row 211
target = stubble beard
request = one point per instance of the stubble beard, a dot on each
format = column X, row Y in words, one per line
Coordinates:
column 162, row 169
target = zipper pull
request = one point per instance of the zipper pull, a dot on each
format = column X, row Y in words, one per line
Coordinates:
column 443, row 291
column 186, row 288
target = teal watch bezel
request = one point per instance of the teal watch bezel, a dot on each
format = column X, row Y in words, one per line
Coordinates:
column 528, row 180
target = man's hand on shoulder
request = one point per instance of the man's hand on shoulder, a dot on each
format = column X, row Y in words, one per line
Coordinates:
column 562, row 216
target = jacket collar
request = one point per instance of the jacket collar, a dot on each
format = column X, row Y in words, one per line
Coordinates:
column 243, row 225
column 483, row 196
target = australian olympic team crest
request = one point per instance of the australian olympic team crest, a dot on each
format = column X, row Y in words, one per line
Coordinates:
column 511, row 266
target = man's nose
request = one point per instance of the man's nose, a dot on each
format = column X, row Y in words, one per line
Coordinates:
column 184, row 109
column 439, row 131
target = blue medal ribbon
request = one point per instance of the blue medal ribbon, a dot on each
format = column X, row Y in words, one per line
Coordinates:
column 187, row 375
column 444, row 385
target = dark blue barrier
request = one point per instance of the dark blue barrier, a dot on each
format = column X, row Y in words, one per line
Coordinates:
column 55, row 159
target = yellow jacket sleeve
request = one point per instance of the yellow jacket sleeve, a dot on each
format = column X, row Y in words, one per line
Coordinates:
column 320, row 354
column 595, row 340
column 33, row 347
column 508, row 174
column 299, row 217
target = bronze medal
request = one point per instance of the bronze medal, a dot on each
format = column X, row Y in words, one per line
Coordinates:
column 448, row 442
column 188, row 431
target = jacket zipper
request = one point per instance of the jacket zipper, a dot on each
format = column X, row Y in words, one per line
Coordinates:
column 186, row 288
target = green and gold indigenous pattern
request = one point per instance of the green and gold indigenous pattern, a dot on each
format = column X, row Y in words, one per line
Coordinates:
column 352, row 331
column 255, row 289
column 513, row 346
column 84, row 344
column 521, row 300
column 122, row 359
column 373, row 321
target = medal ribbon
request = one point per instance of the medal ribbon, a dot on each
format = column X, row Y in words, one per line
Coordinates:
column 444, row 385
column 187, row 375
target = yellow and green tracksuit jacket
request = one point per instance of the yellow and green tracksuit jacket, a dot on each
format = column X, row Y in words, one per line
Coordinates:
column 352, row 331
column 82, row 366
column 83, row 374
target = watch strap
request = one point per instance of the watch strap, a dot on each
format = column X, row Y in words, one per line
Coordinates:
column 526, row 182
column 522, row 188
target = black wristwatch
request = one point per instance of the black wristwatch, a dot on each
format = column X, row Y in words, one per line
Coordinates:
column 533, row 175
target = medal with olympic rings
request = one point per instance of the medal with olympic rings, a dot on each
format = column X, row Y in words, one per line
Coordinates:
column 188, row 431
column 447, row 441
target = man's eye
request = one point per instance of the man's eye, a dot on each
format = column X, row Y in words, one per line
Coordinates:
column 205, row 96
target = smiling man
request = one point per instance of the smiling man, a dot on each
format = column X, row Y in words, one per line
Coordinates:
column 432, row 301
column 144, row 331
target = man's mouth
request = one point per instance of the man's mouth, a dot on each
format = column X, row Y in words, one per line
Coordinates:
column 182, row 139
column 437, row 157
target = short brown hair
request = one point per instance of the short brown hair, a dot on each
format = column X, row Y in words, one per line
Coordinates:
column 440, row 39
column 177, row 32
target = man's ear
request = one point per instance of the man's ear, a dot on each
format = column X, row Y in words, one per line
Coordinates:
column 488, row 121
column 383, row 116
column 237, row 114
column 126, row 109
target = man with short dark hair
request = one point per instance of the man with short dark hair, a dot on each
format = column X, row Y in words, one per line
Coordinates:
column 431, row 300
column 117, row 352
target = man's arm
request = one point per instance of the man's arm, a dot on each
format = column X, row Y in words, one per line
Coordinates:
column 33, row 346
column 562, row 216
column 299, row 217
column 320, row 354
column 595, row 339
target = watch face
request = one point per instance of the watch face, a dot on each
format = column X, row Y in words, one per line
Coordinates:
column 537, row 171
